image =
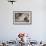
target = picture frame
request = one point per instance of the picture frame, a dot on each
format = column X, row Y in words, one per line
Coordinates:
column 22, row 17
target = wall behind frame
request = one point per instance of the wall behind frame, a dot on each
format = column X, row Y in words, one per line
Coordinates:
column 9, row 31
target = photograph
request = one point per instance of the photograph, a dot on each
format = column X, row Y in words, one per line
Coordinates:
column 22, row 17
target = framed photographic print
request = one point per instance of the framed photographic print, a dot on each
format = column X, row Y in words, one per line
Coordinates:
column 22, row 17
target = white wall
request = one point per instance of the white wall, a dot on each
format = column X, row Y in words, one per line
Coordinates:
column 9, row 31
